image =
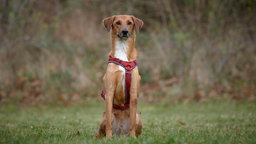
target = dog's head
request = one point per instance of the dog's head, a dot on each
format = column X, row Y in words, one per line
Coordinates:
column 123, row 26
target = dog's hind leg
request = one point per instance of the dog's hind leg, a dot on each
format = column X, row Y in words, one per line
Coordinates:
column 102, row 128
column 138, row 125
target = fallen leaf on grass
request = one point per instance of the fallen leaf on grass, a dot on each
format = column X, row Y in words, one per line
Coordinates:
column 182, row 123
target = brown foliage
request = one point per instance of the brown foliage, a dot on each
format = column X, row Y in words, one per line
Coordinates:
column 56, row 50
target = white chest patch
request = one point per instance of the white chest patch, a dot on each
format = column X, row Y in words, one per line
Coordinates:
column 121, row 48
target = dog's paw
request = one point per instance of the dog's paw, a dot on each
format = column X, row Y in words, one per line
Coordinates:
column 109, row 134
column 132, row 134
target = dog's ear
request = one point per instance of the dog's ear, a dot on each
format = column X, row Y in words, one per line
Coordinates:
column 138, row 23
column 108, row 22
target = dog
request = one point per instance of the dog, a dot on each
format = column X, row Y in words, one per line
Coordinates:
column 122, row 79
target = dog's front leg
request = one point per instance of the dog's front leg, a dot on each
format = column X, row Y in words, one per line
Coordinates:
column 133, row 102
column 109, row 102
column 110, row 88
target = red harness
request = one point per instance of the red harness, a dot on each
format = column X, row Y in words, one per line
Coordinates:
column 128, row 66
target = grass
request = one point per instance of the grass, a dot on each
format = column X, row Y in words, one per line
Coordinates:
column 209, row 122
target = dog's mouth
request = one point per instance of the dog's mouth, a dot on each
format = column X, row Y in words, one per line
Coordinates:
column 123, row 36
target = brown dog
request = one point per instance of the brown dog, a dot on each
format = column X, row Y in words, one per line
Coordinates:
column 121, row 81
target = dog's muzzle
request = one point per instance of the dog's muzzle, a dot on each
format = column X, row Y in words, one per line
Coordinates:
column 123, row 34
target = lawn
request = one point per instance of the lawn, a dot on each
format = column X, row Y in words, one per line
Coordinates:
column 208, row 122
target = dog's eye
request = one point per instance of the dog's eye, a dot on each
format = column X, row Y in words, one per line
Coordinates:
column 118, row 23
column 129, row 23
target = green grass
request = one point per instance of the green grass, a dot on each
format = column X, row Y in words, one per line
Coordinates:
column 209, row 122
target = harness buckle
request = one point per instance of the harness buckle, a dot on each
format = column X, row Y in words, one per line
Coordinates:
column 128, row 67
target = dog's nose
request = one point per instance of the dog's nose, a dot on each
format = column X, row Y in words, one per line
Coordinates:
column 125, row 32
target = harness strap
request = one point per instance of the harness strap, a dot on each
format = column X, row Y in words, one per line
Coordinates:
column 128, row 66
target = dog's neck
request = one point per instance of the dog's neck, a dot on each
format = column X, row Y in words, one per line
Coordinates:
column 124, row 49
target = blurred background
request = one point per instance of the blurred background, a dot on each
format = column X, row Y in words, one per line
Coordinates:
column 189, row 50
